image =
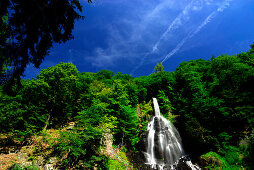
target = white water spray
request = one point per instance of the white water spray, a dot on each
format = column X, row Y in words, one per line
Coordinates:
column 164, row 149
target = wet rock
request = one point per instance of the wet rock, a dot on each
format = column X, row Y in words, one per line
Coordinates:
column 182, row 166
column 144, row 142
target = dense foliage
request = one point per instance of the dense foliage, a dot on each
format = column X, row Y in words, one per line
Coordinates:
column 210, row 102
column 28, row 29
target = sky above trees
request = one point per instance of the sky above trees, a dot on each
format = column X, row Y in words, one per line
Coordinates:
column 132, row 36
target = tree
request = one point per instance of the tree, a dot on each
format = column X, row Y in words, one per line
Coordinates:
column 49, row 99
column 35, row 25
column 158, row 68
column 150, row 85
column 80, row 148
column 63, row 93
column 4, row 34
column 11, row 113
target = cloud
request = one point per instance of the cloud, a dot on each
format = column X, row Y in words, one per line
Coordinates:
column 105, row 58
column 140, row 32
column 177, row 22
column 117, row 48
column 129, row 35
column 181, row 18
column 203, row 24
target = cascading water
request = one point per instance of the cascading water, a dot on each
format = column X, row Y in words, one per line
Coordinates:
column 164, row 149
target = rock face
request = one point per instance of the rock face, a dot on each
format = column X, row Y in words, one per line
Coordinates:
column 35, row 155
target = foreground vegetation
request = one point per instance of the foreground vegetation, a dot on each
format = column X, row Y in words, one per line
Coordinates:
column 210, row 102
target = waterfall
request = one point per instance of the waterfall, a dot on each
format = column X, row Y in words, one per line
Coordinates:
column 164, row 150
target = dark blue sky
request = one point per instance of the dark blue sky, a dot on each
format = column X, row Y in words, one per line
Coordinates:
column 132, row 36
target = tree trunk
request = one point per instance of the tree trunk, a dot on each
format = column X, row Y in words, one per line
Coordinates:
column 47, row 122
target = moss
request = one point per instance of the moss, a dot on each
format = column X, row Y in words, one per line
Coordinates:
column 120, row 161
column 212, row 160
column 230, row 160
column 20, row 167
column 114, row 164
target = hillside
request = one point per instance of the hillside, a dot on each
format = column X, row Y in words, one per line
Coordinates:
column 68, row 119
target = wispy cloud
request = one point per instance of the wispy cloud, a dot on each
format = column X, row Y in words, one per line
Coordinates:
column 149, row 30
column 129, row 33
column 179, row 20
column 191, row 34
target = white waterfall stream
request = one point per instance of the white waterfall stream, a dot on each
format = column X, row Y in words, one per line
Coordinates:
column 164, row 148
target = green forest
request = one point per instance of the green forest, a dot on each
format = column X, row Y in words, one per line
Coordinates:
column 211, row 103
